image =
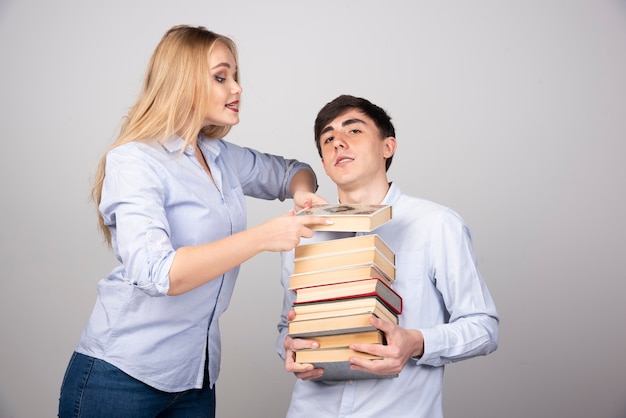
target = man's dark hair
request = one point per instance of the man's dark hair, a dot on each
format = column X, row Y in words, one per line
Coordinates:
column 344, row 103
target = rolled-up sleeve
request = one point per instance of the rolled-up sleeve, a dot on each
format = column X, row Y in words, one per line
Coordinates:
column 132, row 205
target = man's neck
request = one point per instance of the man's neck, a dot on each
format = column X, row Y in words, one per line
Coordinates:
column 372, row 195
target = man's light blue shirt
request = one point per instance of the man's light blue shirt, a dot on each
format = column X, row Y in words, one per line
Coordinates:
column 444, row 296
column 156, row 199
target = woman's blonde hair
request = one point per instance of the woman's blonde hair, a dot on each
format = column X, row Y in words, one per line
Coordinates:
column 174, row 96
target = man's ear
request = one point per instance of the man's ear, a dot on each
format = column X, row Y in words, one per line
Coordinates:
column 390, row 146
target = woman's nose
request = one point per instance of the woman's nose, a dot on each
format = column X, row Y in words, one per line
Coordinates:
column 236, row 88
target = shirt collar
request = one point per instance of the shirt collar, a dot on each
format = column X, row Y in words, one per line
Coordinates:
column 209, row 145
column 175, row 144
column 392, row 196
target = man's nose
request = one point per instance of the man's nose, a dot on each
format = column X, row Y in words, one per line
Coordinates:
column 339, row 142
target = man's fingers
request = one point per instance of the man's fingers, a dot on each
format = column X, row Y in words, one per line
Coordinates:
column 291, row 315
column 382, row 324
column 301, row 343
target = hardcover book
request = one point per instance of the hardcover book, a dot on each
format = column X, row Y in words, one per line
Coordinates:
column 335, row 363
column 340, row 370
column 344, row 259
column 341, row 324
column 353, row 218
column 344, row 340
column 348, row 306
column 344, row 245
column 338, row 275
column 346, row 290
column 310, row 355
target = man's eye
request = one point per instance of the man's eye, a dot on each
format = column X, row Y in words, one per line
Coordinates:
column 329, row 139
column 355, row 131
column 219, row 79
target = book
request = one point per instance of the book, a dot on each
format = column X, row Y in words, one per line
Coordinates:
column 340, row 370
column 344, row 245
column 344, row 259
column 335, row 363
column 340, row 285
column 341, row 324
column 350, row 306
column 344, row 340
column 310, row 355
column 338, row 275
column 346, row 290
column 353, row 218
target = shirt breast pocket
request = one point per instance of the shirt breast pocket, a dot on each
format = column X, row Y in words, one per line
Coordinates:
column 413, row 284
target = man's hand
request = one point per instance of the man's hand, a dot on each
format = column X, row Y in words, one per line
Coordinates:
column 302, row 371
column 402, row 344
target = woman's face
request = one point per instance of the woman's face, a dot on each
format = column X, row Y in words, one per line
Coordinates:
column 225, row 91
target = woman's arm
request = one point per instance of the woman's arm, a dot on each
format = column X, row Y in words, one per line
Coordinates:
column 303, row 187
column 196, row 265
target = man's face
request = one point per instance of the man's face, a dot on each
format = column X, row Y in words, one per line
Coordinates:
column 353, row 152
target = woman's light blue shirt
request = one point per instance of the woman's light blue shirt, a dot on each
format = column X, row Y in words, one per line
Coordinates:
column 156, row 199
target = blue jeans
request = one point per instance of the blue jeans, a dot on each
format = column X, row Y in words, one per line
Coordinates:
column 93, row 388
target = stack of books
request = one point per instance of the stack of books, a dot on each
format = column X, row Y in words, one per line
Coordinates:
column 340, row 284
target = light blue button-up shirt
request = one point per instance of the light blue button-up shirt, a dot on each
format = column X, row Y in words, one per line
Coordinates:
column 155, row 200
column 443, row 295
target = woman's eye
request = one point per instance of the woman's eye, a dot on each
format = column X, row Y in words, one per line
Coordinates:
column 219, row 79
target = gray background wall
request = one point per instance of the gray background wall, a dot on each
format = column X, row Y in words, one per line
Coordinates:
column 511, row 112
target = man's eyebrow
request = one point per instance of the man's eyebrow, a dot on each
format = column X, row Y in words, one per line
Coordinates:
column 345, row 123
column 328, row 128
column 352, row 121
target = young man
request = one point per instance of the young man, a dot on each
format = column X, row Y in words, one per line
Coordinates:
column 448, row 313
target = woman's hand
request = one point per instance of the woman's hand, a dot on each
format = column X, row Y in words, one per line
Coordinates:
column 284, row 232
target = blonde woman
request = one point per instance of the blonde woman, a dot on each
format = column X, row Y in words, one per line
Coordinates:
column 170, row 193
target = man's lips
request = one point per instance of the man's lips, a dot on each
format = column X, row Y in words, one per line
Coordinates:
column 343, row 159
